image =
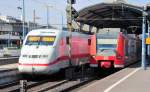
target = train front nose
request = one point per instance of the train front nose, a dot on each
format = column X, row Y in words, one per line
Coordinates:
column 33, row 69
column 35, row 60
column 34, row 66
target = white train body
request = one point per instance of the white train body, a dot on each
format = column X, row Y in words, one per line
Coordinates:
column 45, row 51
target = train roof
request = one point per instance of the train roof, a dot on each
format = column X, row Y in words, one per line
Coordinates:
column 52, row 31
column 44, row 31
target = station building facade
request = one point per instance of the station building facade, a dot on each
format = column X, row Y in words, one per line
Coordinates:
column 11, row 31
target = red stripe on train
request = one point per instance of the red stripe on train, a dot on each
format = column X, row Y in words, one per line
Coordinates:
column 56, row 61
column 33, row 64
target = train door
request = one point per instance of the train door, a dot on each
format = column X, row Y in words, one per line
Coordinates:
column 120, row 55
column 93, row 45
column 126, row 51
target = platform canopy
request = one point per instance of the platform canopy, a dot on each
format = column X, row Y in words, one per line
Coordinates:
column 113, row 15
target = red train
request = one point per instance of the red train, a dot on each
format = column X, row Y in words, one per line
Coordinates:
column 114, row 50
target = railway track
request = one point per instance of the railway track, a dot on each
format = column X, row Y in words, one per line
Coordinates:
column 8, row 77
column 10, row 60
column 52, row 84
column 32, row 85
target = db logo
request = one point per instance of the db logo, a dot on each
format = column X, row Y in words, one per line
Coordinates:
column 105, row 58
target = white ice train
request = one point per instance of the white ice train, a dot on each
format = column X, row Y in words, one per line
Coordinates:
column 45, row 51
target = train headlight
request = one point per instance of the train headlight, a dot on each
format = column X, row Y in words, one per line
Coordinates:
column 93, row 56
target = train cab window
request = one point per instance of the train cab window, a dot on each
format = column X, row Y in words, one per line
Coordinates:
column 40, row 40
column 106, row 46
column 32, row 40
column 48, row 40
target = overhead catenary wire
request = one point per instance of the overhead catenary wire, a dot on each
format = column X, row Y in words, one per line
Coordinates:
column 47, row 9
column 40, row 2
column 49, row 5
column 109, row 19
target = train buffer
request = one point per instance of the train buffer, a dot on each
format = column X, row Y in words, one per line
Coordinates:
column 130, row 79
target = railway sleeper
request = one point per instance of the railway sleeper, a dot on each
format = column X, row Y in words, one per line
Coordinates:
column 78, row 72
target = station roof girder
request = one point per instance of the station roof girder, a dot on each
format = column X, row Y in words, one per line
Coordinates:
column 112, row 15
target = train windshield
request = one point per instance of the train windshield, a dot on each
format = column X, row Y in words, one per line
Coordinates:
column 106, row 47
column 40, row 40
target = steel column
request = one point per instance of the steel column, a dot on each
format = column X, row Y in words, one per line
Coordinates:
column 148, row 47
column 69, row 26
column 143, row 64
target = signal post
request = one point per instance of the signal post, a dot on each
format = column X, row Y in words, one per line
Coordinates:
column 69, row 26
column 71, row 15
column 69, row 72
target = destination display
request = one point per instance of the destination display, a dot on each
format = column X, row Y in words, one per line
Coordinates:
column 40, row 40
column 48, row 39
column 34, row 38
column 44, row 38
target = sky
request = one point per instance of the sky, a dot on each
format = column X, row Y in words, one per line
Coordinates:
column 56, row 9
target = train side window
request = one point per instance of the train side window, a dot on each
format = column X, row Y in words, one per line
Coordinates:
column 89, row 41
column 67, row 40
column 126, row 48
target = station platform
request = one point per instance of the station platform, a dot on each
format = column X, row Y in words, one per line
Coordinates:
column 130, row 79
